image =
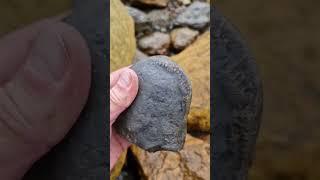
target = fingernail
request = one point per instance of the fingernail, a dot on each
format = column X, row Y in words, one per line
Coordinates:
column 49, row 55
column 125, row 79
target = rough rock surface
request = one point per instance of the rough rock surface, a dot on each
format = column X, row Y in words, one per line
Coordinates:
column 82, row 154
column 238, row 99
column 197, row 15
column 139, row 56
column 156, row 120
column 192, row 162
column 161, row 20
column 182, row 37
column 115, row 172
column 155, row 43
column 141, row 21
column 122, row 39
column 195, row 60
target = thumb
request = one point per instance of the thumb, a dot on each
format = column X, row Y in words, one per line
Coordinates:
column 123, row 92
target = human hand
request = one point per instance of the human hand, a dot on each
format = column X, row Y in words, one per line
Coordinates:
column 44, row 84
column 123, row 90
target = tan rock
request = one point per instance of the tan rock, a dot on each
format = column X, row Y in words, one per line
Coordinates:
column 192, row 162
column 122, row 39
column 118, row 166
column 195, row 61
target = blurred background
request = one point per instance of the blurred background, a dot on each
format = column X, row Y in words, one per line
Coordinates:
column 284, row 37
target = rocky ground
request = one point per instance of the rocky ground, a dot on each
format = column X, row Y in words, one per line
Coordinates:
column 284, row 38
column 166, row 27
column 179, row 29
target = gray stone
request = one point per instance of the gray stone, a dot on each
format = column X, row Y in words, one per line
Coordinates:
column 197, row 16
column 157, row 119
column 139, row 56
column 137, row 15
column 155, row 43
column 141, row 21
column 182, row 37
column 161, row 20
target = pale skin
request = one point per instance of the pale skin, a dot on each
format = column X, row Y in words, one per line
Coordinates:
column 44, row 84
column 123, row 90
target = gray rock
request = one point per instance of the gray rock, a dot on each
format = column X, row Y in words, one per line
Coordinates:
column 155, row 43
column 137, row 15
column 139, row 56
column 182, row 37
column 161, row 20
column 157, row 119
column 197, row 15
column 141, row 21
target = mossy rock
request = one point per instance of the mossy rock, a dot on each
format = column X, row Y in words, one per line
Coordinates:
column 122, row 39
column 115, row 172
column 195, row 61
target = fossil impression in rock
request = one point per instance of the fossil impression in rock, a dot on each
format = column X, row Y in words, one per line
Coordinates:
column 157, row 118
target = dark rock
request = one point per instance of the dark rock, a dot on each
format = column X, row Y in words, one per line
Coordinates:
column 238, row 102
column 197, row 15
column 82, row 154
column 156, row 120
column 155, row 3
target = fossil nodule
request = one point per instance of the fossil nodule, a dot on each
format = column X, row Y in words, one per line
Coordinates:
column 157, row 119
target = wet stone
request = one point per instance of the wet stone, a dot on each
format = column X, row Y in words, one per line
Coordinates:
column 157, row 119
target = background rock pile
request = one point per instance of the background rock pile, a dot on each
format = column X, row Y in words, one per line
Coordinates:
column 166, row 27
column 179, row 29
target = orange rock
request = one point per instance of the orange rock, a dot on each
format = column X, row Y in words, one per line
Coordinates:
column 195, row 61
column 122, row 39
column 192, row 162
column 115, row 172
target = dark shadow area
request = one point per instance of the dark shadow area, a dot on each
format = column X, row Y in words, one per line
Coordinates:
column 284, row 39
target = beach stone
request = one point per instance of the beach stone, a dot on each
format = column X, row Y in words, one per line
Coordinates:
column 122, row 36
column 182, row 37
column 157, row 118
column 139, row 56
column 197, row 15
column 195, row 60
column 141, row 21
column 161, row 19
column 156, row 43
column 192, row 162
